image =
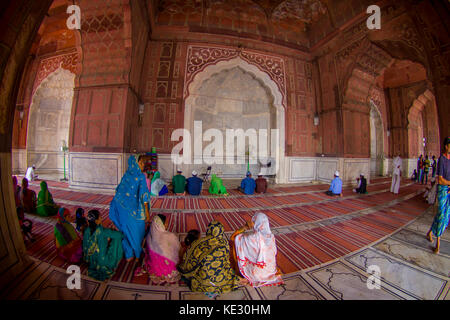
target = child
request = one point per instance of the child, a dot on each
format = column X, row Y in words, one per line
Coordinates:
column 414, row 175
column 25, row 224
column 191, row 236
column 81, row 220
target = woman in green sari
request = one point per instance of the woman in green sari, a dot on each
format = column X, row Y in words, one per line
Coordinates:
column 216, row 186
column 206, row 264
column 102, row 248
column 45, row 204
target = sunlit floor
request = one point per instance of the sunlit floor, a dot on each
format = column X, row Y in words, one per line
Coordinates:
column 326, row 246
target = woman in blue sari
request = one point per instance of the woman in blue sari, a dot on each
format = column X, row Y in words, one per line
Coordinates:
column 129, row 210
column 440, row 221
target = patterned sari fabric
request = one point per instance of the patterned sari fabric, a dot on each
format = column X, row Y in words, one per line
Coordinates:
column 206, row 264
column 103, row 251
column 440, row 221
column 256, row 254
column 68, row 243
column 216, row 186
column 127, row 209
column 45, row 204
column 161, row 256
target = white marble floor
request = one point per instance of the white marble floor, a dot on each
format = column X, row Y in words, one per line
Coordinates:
column 409, row 270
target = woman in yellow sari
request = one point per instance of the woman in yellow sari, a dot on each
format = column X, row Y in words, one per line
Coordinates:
column 206, row 264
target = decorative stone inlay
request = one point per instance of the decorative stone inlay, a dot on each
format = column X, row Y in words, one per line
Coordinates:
column 198, row 58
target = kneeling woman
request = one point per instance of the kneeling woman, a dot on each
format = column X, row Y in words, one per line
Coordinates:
column 68, row 243
column 102, row 248
column 254, row 253
column 161, row 253
column 206, row 264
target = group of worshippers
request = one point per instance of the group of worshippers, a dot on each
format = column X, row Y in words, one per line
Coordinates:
column 204, row 263
column 423, row 168
column 192, row 185
column 27, row 202
column 336, row 185
column 250, row 185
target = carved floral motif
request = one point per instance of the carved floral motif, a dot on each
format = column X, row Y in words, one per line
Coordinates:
column 198, row 58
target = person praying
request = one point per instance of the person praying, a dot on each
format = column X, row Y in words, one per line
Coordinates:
column 335, row 186
column 216, row 186
column 179, row 183
column 27, row 198
column 248, row 184
column 45, row 205
column 261, row 184
column 68, row 243
column 102, row 248
column 396, row 174
column 362, row 184
column 158, row 186
column 194, row 184
column 30, row 174
column 253, row 253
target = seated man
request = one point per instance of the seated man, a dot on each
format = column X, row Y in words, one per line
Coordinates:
column 336, row 186
column 30, row 175
column 179, row 184
column 194, row 184
column 248, row 184
column 362, row 184
column 261, row 184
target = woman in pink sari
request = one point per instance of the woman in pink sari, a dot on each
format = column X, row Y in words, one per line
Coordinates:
column 161, row 253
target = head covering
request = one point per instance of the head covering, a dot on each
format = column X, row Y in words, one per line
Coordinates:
column 361, row 174
column 163, row 242
column 194, row 173
column 260, row 174
column 256, row 253
column 92, row 216
column 62, row 212
column 336, row 173
column 248, row 173
column 179, row 170
column 207, row 262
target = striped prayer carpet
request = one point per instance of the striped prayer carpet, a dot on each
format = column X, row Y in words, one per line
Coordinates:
column 310, row 227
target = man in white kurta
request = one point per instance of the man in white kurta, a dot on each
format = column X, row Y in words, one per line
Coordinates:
column 30, row 175
column 396, row 174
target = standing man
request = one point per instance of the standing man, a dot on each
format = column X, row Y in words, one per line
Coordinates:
column 426, row 168
column 179, row 184
column 396, row 174
column 419, row 171
column 433, row 167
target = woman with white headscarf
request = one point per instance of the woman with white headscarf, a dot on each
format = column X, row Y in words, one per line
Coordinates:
column 255, row 253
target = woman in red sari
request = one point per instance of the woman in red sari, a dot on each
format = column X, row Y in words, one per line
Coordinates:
column 27, row 198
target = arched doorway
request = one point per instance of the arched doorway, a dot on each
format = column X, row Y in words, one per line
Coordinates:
column 423, row 132
column 49, row 121
column 258, row 107
column 376, row 141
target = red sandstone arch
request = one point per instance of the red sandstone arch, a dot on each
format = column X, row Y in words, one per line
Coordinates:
column 422, row 123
